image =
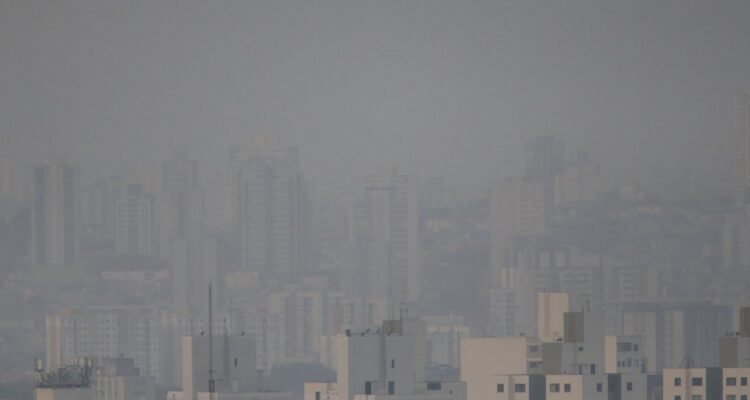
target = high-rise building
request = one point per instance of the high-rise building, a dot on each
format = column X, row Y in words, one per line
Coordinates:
column 178, row 199
column 97, row 208
column 384, row 234
column 135, row 223
column 545, row 159
column 517, row 210
column 54, row 216
column 300, row 324
column 743, row 147
column 517, row 222
column 273, row 208
column 579, row 182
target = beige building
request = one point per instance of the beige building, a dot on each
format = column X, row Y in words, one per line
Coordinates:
column 735, row 383
column 692, row 384
column 576, row 387
column 63, row 394
column 485, row 361
column 550, row 315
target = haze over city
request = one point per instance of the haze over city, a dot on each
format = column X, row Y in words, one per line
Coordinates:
column 356, row 200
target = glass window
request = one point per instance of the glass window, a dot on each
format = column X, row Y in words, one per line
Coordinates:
column 599, row 387
column 630, row 386
column 731, row 397
column 500, row 388
column 696, row 397
column 554, row 387
column 567, row 388
column 678, row 381
column 731, row 381
column 519, row 388
column 743, row 381
column 697, row 382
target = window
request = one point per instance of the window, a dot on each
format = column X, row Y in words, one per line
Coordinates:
column 743, row 381
column 731, row 397
column 391, row 387
column 235, row 362
column 696, row 397
column 434, row 385
column 635, row 347
column 743, row 397
column 368, row 387
column 393, row 363
column 500, row 388
column 567, row 388
column 629, row 386
column 519, row 388
column 732, row 381
column 678, row 381
column 533, row 349
column 697, row 382
column 593, row 369
column 554, row 387
column 317, row 395
column 678, row 398
column 599, row 387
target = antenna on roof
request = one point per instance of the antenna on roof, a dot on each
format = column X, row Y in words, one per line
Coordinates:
column 211, row 382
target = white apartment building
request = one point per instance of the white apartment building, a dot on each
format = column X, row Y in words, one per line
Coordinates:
column 149, row 336
column 388, row 363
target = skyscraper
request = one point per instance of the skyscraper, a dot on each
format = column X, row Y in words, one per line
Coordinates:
column 517, row 210
column 743, row 147
column 135, row 223
column 272, row 207
column 545, row 159
column 517, row 220
column 178, row 199
column 384, row 234
column 54, row 219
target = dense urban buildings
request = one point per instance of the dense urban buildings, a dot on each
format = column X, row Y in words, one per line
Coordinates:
column 342, row 200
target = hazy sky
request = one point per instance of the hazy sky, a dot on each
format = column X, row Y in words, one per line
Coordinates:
column 450, row 88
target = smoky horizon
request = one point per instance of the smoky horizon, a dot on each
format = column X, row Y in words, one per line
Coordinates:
column 417, row 200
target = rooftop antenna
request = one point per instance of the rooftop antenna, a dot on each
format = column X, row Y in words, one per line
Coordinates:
column 390, row 303
column 211, row 382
